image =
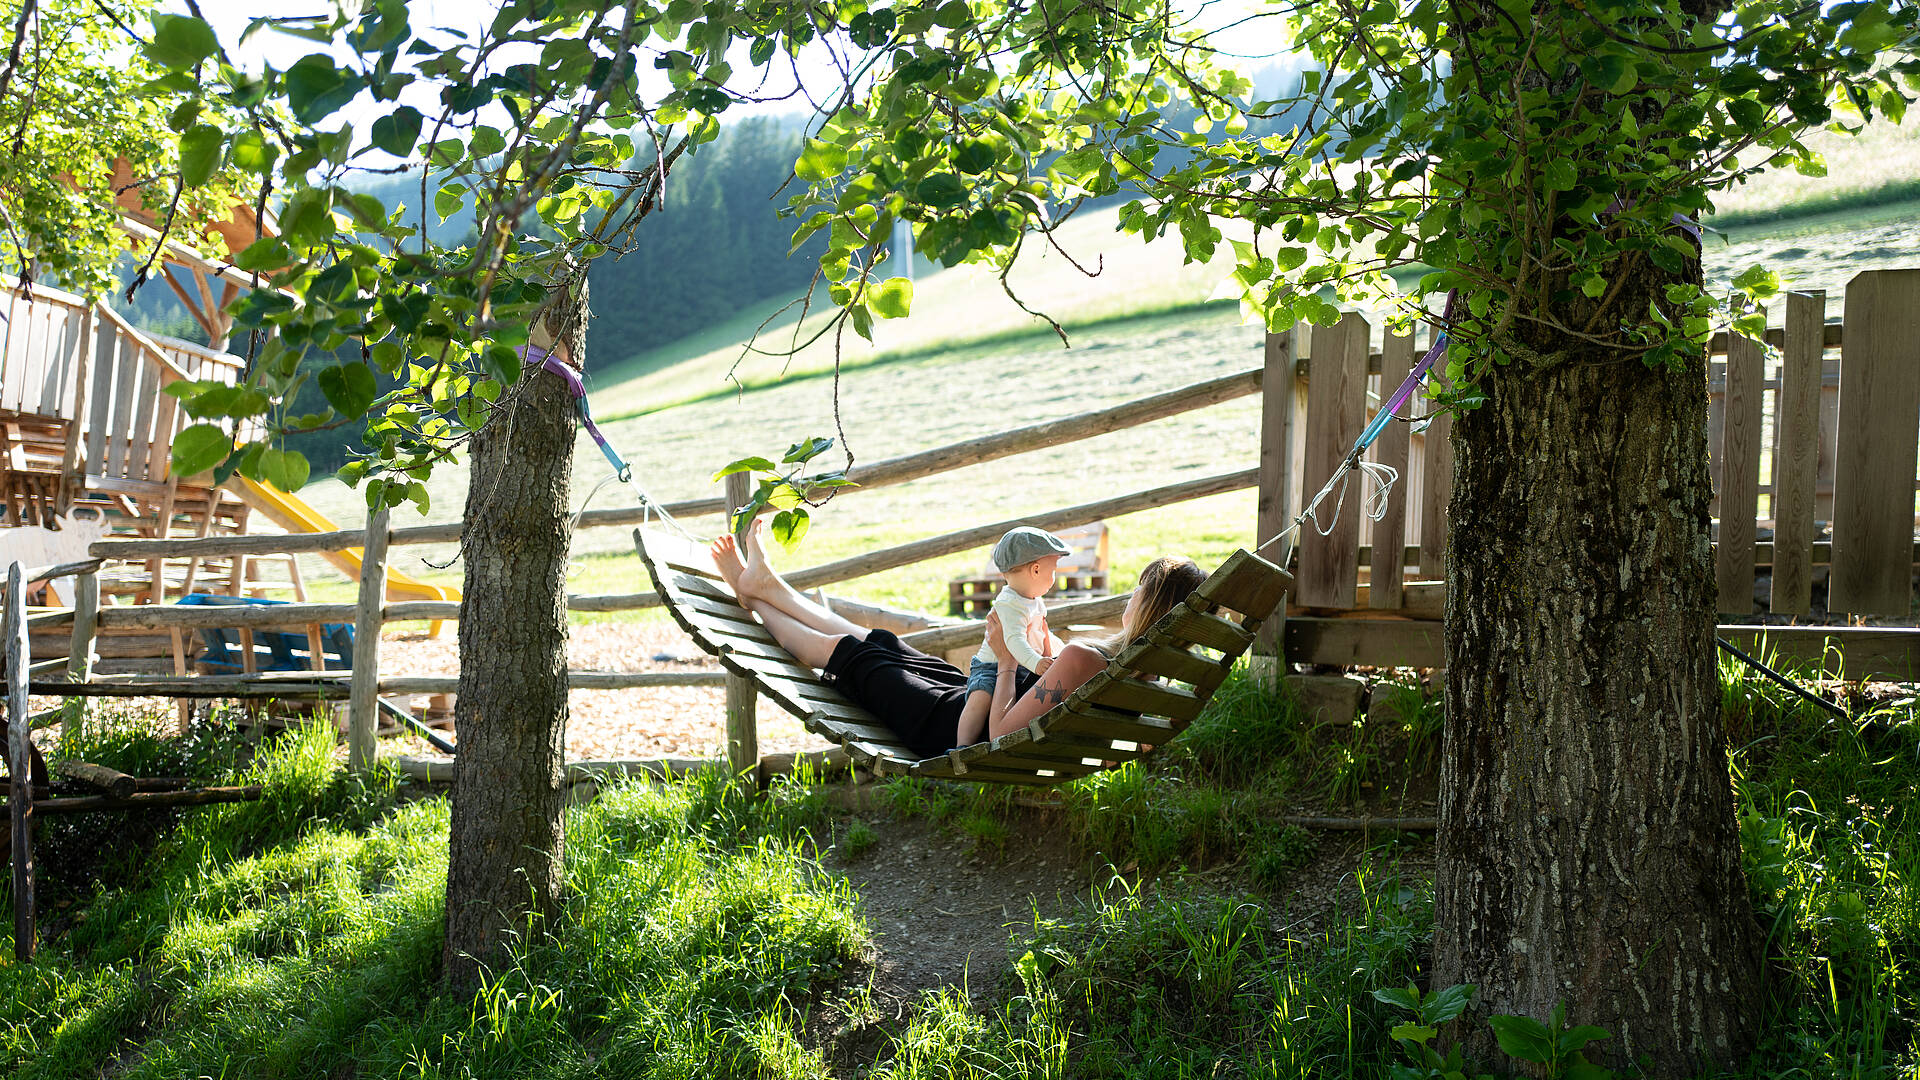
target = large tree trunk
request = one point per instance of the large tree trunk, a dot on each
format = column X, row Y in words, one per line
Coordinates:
column 504, row 872
column 1588, row 851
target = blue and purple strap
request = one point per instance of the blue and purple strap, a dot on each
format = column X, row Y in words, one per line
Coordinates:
column 1391, row 406
column 550, row 362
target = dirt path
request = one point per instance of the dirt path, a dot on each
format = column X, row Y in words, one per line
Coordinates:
column 940, row 909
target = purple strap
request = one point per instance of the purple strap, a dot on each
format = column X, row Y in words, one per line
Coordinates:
column 551, row 362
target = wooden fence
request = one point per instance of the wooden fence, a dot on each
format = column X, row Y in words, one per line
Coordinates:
column 1370, row 593
column 1812, row 440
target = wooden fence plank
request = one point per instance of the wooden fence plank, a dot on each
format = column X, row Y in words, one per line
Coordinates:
column 1796, row 454
column 1874, row 468
column 14, row 645
column 1336, row 411
column 1436, row 480
column 1739, row 476
column 1390, row 532
column 363, row 708
column 1276, row 506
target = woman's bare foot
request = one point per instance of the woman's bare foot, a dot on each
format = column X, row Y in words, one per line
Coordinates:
column 726, row 556
column 758, row 577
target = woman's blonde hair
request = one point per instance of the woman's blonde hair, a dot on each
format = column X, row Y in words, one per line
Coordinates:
column 1165, row 582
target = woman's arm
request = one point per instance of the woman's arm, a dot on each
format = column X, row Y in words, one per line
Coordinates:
column 1074, row 666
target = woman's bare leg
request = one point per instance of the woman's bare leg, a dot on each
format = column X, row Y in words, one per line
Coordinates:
column 758, row 580
column 810, row 640
column 809, row 646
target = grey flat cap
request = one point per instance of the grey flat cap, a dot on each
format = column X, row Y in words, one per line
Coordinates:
column 1023, row 544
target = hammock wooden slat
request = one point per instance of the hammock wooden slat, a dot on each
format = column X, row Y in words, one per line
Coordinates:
column 1147, row 695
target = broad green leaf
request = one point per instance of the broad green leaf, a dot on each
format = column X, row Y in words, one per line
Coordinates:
column 284, row 469
column 180, row 41
column 350, row 388
column 892, row 298
column 252, row 152
column 397, row 131
column 941, row 190
column 802, row 452
column 1560, row 175
column 1413, row 1033
column 790, row 527
column 819, row 161
column 316, row 88
column 1447, row 1004
column 746, row 464
column 199, row 154
column 1523, row 1037
column 198, row 448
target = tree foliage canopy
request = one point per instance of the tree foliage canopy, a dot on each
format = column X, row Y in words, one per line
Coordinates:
column 1524, row 155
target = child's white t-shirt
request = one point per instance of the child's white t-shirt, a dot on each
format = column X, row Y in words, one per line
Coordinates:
column 1014, row 611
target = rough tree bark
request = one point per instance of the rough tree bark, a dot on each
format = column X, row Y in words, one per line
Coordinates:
column 504, row 870
column 1588, row 850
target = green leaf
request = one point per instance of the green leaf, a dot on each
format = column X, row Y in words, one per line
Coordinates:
column 199, row 448
column 1560, row 175
column 745, row 464
column 284, row 469
column 790, row 527
column 892, row 298
column 1522, row 1037
column 1576, row 1038
column 350, row 388
column 1407, row 997
column 819, row 161
column 941, row 190
column 316, row 87
column 1413, row 1033
column 180, row 41
column 253, row 153
column 1445, row 1005
column 397, row 131
column 802, row 452
column 199, row 154
column 1757, row 282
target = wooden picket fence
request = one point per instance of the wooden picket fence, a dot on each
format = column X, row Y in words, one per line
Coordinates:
column 1812, row 438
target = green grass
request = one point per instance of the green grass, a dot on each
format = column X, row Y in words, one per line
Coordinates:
column 299, row 935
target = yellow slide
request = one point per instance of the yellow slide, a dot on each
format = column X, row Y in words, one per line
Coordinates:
column 295, row 514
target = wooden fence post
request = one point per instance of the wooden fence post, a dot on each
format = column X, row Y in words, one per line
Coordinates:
column 743, row 731
column 80, row 654
column 1276, row 473
column 1872, row 571
column 363, row 705
column 19, row 762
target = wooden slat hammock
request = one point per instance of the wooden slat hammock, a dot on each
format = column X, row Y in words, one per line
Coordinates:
column 1106, row 721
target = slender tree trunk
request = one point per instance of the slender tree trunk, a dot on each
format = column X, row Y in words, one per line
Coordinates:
column 1588, row 851
column 505, row 872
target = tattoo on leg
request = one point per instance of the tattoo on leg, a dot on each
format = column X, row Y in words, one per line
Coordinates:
column 1053, row 695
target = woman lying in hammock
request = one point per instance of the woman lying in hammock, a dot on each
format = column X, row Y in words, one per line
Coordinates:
column 919, row 696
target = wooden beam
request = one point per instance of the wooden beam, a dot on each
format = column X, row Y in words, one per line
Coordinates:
column 1857, row 652
column 1066, row 429
column 149, row 799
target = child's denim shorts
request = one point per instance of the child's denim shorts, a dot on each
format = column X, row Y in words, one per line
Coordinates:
column 981, row 675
